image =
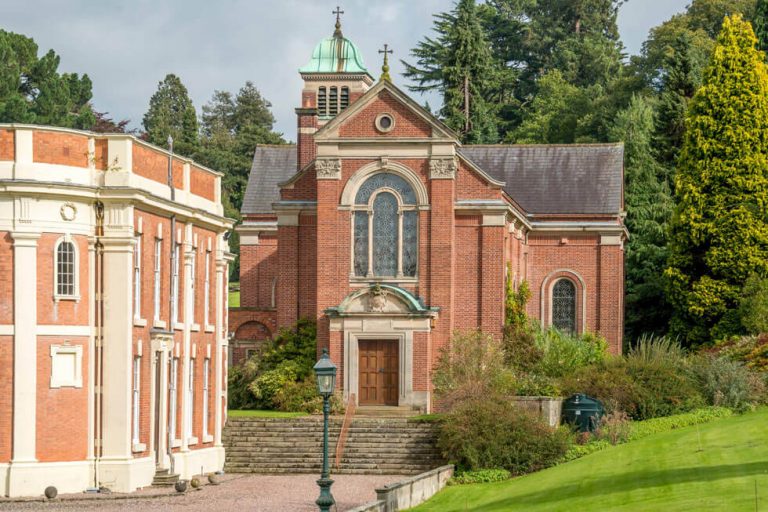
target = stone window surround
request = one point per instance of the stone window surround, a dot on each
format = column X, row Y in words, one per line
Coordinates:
column 76, row 380
column 75, row 269
column 581, row 297
column 384, row 165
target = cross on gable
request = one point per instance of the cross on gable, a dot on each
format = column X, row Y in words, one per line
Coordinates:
column 385, row 65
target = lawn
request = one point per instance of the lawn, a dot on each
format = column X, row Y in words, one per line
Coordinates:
column 234, row 299
column 264, row 414
column 715, row 466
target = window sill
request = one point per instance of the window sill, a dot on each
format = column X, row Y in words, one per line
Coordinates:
column 209, row 328
column 139, row 322
column 388, row 280
column 159, row 324
column 195, row 328
column 176, row 443
column 178, row 326
column 192, row 441
column 58, row 298
column 207, row 438
column 138, row 447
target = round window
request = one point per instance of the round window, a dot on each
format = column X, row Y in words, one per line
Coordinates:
column 385, row 122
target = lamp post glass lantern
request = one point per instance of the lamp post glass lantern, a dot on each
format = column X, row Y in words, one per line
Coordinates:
column 325, row 371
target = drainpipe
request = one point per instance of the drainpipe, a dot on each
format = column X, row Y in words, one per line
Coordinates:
column 170, row 306
column 98, row 341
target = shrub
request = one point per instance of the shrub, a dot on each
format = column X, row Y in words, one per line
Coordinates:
column 659, row 368
column 609, row 382
column 724, row 382
column 520, row 348
column 302, row 396
column 614, row 427
column 471, row 366
column 750, row 350
column 239, row 378
column 753, row 309
column 284, row 360
column 646, row 428
column 481, row 476
column 491, row 433
column 562, row 354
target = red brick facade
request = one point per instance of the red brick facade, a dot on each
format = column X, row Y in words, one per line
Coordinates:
column 470, row 232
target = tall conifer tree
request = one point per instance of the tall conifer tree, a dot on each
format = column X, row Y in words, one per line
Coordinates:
column 171, row 113
column 720, row 227
column 459, row 63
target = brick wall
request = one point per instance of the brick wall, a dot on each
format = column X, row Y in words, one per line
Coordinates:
column 6, row 278
column 6, row 398
column 469, row 185
column 60, row 148
column 64, row 311
column 62, row 413
column 258, row 270
column 468, row 271
column 7, row 145
column 407, row 122
column 550, row 254
column 153, row 165
column 250, row 327
column 202, row 183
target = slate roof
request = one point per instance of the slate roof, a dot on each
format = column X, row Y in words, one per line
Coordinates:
column 271, row 165
column 542, row 179
column 556, row 179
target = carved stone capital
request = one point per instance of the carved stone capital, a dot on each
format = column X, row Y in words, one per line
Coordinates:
column 328, row 168
column 442, row 168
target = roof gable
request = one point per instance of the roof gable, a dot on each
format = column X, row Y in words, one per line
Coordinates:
column 388, row 92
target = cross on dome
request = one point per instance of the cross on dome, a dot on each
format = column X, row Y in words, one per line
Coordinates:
column 338, row 12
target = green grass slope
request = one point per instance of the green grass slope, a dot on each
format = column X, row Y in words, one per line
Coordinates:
column 716, row 466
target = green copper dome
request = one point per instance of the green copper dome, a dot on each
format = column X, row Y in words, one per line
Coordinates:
column 336, row 54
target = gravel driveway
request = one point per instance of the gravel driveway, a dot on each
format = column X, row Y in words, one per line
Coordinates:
column 237, row 493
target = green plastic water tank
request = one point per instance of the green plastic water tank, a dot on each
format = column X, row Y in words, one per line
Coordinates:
column 583, row 412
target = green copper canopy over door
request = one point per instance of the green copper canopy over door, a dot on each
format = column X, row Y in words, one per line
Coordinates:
column 379, row 363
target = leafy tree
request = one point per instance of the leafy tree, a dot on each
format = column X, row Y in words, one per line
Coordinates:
column 105, row 124
column 171, row 113
column 459, row 64
column 720, row 227
column 231, row 128
column 760, row 22
column 754, row 305
column 649, row 207
column 33, row 91
column 683, row 65
column 560, row 113
column 580, row 38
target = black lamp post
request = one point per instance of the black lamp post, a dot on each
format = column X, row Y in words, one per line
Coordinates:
column 325, row 371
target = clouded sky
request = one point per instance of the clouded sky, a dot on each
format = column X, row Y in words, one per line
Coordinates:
column 128, row 46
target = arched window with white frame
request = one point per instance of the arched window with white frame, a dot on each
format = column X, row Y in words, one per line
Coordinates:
column 564, row 305
column 65, row 269
column 385, row 228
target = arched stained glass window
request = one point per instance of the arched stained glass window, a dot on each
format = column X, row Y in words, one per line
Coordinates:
column 564, row 305
column 381, row 180
column 386, row 222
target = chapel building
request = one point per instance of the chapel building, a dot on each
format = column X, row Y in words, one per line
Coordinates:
column 113, row 282
column 393, row 235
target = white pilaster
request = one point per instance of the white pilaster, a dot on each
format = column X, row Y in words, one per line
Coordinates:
column 221, row 265
column 188, row 295
column 24, row 345
column 118, row 348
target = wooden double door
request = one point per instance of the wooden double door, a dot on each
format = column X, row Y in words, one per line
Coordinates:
column 379, row 369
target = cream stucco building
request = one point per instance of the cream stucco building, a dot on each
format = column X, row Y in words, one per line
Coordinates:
column 113, row 347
